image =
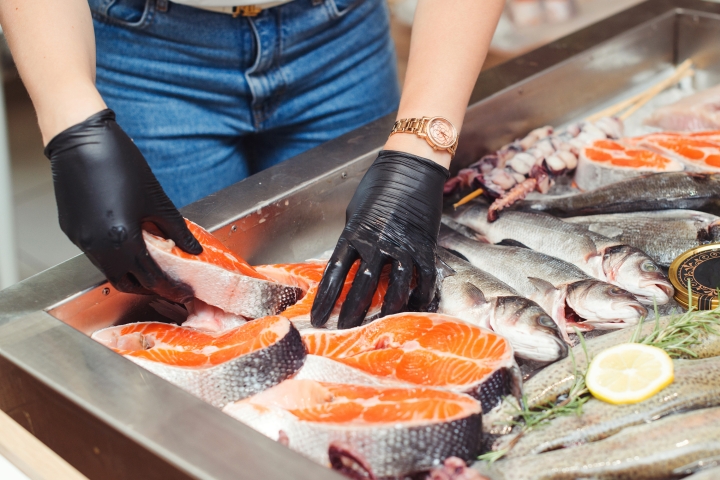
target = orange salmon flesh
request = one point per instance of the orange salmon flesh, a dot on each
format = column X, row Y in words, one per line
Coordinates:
column 422, row 349
column 185, row 347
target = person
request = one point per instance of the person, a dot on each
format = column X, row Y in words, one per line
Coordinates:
column 210, row 91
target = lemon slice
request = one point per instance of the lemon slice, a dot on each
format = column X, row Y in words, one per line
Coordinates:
column 629, row 373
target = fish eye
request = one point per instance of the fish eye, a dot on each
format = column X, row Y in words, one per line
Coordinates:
column 546, row 321
column 649, row 267
column 616, row 291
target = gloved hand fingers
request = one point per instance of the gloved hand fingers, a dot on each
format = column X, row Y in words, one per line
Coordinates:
column 128, row 284
column 151, row 276
column 398, row 291
column 424, row 292
column 332, row 282
column 173, row 226
column 361, row 293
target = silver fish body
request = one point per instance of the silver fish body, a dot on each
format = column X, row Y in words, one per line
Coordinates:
column 560, row 288
column 598, row 256
column 660, row 191
column 481, row 299
column 663, row 235
column 388, row 449
column 671, row 447
column 696, row 385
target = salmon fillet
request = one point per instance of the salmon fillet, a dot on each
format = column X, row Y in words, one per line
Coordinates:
column 307, row 276
column 220, row 278
column 383, row 431
column 217, row 368
column 424, row 349
column 603, row 162
column 699, row 151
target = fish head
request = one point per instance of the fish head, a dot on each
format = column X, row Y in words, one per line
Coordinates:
column 634, row 271
column 532, row 332
column 597, row 302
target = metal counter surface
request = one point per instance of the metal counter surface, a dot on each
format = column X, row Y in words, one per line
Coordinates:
column 112, row 419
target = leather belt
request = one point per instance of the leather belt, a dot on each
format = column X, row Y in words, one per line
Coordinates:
column 243, row 10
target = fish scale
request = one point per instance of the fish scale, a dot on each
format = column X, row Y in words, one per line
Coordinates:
column 598, row 256
column 557, row 286
column 660, row 191
column 696, row 385
column 664, row 234
column 477, row 297
column 671, row 447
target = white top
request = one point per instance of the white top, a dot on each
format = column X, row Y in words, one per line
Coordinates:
column 227, row 3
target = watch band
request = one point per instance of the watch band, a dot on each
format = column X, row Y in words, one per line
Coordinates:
column 419, row 127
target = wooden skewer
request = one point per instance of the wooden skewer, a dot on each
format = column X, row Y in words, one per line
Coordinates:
column 679, row 73
column 468, row 197
column 650, row 96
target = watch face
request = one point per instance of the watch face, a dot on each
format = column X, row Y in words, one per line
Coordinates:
column 441, row 132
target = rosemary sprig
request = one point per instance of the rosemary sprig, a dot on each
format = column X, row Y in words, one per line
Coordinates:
column 532, row 418
column 683, row 331
column 676, row 338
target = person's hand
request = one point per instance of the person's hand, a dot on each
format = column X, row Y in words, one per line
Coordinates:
column 393, row 217
column 104, row 190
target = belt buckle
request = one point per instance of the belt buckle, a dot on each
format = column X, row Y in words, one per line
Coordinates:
column 246, row 11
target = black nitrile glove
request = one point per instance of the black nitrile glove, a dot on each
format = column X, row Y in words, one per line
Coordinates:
column 393, row 217
column 105, row 190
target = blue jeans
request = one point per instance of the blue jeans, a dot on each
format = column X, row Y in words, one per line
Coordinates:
column 210, row 99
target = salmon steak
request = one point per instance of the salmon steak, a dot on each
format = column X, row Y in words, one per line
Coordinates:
column 307, row 276
column 220, row 278
column 604, row 162
column 699, row 151
column 423, row 349
column 219, row 368
column 364, row 431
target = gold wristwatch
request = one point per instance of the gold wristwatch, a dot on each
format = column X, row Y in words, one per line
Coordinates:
column 438, row 132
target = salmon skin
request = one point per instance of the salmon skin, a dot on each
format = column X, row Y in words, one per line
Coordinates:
column 307, row 276
column 377, row 432
column 604, row 162
column 425, row 349
column 220, row 278
column 218, row 368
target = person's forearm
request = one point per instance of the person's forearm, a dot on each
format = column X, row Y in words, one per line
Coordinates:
column 450, row 39
column 53, row 45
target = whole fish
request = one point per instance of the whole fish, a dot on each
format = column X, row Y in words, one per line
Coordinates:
column 596, row 255
column 573, row 298
column 663, row 235
column 696, row 385
column 556, row 379
column 660, row 191
column 421, row 349
column 218, row 368
column 481, row 299
column 370, row 432
column 668, row 448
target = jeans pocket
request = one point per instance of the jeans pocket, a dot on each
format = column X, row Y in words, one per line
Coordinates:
column 341, row 7
column 127, row 13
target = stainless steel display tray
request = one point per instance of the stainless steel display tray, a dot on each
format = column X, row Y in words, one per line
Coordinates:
column 112, row 419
